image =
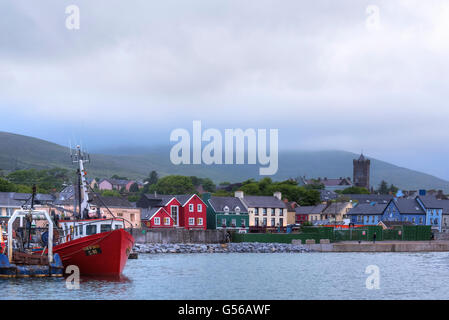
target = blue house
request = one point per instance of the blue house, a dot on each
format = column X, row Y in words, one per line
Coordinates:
column 398, row 210
column 434, row 210
column 406, row 210
column 367, row 213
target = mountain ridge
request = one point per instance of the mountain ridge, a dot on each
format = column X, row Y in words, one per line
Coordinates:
column 24, row 152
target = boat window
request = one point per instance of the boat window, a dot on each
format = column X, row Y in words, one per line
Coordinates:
column 117, row 226
column 92, row 229
column 80, row 227
column 105, row 228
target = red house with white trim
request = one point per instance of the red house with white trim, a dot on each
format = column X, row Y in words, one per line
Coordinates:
column 157, row 218
column 186, row 211
column 193, row 212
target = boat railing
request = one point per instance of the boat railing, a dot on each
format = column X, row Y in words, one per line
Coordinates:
column 75, row 230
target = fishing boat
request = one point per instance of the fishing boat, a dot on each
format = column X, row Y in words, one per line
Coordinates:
column 23, row 262
column 96, row 245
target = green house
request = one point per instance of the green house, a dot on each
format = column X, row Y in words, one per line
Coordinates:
column 226, row 213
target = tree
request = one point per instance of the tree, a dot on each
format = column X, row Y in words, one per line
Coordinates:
column 383, row 187
column 173, row 184
column 208, row 185
column 110, row 193
column 152, row 178
column 134, row 187
column 251, row 188
column 116, row 177
column 6, row 186
column 355, row 190
column 393, row 189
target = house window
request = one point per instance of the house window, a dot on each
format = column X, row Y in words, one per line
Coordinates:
column 273, row 222
column 243, row 223
column 281, row 212
column 199, row 208
column 200, row 221
column 256, row 222
column 281, row 221
column 191, row 221
column 420, row 220
column 167, row 221
column 157, row 221
column 413, row 220
column 223, row 222
column 264, row 211
column 256, row 211
column 132, row 217
column 191, row 207
column 174, row 214
column 233, row 222
column 264, row 222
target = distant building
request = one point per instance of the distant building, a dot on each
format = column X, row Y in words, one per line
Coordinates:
column 188, row 211
column 310, row 213
column 329, row 184
column 115, row 184
column 336, row 211
column 361, row 172
column 437, row 212
column 226, row 213
column 265, row 211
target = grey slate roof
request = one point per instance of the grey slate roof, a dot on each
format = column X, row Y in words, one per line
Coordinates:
column 318, row 209
column 111, row 202
column 326, row 195
column 14, row 199
column 7, row 200
column 218, row 204
column 368, row 198
column 183, row 198
column 408, row 206
column 367, row 208
column 164, row 198
column 431, row 202
column 146, row 214
column 263, row 202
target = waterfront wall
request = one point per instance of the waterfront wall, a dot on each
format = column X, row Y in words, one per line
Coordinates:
column 178, row 236
column 402, row 246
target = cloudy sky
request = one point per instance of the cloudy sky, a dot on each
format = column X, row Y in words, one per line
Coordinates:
column 349, row 74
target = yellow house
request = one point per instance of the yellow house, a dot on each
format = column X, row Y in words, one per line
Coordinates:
column 265, row 211
column 336, row 211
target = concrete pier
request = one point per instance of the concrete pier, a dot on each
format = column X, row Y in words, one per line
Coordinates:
column 381, row 246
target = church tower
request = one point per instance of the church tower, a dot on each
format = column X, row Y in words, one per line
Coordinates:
column 361, row 172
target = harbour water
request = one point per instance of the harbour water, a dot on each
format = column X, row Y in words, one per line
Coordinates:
column 243, row 276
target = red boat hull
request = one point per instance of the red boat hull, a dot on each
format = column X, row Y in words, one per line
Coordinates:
column 103, row 253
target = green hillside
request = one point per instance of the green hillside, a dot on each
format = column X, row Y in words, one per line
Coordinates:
column 21, row 152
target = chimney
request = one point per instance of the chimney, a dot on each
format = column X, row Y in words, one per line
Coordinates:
column 239, row 194
column 278, row 195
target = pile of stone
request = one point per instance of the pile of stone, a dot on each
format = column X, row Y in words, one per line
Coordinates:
column 243, row 247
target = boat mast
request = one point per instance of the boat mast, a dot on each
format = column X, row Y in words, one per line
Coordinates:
column 81, row 158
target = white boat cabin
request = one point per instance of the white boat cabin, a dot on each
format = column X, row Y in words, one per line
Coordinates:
column 75, row 229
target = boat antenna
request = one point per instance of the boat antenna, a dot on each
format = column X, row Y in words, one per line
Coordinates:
column 81, row 158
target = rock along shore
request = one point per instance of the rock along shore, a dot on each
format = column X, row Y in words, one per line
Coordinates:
column 242, row 247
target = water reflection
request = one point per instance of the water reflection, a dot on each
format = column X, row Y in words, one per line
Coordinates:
column 117, row 279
